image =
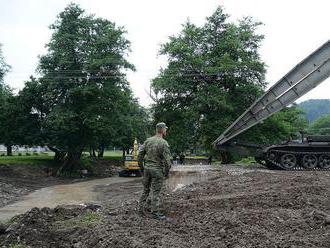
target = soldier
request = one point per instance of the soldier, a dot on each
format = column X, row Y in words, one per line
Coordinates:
column 157, row 158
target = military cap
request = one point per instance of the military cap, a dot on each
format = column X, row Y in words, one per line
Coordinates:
column 161, row 125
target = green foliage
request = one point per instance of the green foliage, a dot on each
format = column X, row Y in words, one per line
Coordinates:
column 85, row 220
column 279, row 127
column 320, row 126
column 214, row 73
column 315, row 108
column 6, row 97
column 83, row 98
column 89, row 165
column 89, row 218
column 19, row 245
column 4, row 67
column 247, row 161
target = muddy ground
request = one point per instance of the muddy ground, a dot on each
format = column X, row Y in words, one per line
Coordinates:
column 239, row 207
column 19, row 180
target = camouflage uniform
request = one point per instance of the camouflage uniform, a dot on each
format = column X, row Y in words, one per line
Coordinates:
column 157, row 157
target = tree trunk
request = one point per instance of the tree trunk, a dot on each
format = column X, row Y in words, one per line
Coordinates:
column 9, row 150
column 101, row 151
column 227, row 158
column 71, row 165
column 59, row 155
column 92, row 152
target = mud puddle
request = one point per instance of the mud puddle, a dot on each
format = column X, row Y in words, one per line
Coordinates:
column 184, row 175
column 89, row 191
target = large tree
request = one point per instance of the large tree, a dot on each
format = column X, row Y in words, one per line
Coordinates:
column 83, row 87
column 214, row 73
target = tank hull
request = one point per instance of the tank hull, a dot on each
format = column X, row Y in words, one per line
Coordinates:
column 296, row 156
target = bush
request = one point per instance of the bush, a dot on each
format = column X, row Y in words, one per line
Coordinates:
column 88, row 165
column 36, row 154
column 248, row 161
column 19, row 154
column 2, row 155
column 28, row 154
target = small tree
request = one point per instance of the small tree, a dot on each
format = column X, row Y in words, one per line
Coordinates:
column 6, row 98
column 320, row 126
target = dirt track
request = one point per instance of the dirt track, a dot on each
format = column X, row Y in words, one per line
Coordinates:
column 238, row 208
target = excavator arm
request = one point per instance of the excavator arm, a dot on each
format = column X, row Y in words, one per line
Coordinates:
column 305, row 76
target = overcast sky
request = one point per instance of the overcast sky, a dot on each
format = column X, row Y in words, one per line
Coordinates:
column 292, row 29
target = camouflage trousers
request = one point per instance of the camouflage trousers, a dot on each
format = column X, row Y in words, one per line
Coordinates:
column 153, row 179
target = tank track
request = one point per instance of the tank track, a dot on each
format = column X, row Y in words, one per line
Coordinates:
column 274, row 163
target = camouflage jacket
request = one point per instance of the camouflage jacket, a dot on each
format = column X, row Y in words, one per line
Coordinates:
column 156, row 154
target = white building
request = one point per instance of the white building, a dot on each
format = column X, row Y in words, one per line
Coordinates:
column 38, row 149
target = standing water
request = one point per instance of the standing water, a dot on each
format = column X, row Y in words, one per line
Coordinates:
column 79, row 193
column 183, row 175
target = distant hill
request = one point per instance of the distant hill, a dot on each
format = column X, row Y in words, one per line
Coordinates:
column 315, row 108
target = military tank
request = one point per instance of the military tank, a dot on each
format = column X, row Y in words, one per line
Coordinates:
column 311, row 152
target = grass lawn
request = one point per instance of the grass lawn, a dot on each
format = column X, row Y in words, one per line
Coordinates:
column 31, row 160
column 112, row 153
column 47, row 158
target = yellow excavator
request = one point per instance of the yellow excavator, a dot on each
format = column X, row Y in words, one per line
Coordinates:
column 131, row 164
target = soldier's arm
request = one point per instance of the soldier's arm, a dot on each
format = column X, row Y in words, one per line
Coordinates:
column 141, row 155
column 167, row 159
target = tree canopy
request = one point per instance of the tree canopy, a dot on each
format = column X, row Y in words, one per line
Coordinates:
column 82, row 97
column 320, row 126
column 4, row 67
column 214, row 73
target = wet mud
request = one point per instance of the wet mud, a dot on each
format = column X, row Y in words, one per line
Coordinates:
column 19, row 180
column 111, row 189
column 235, row 207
